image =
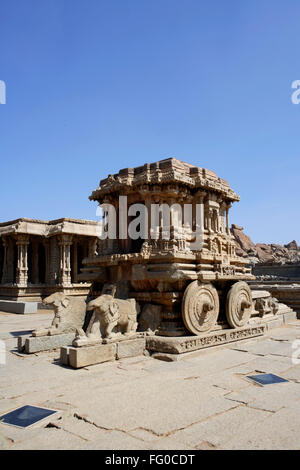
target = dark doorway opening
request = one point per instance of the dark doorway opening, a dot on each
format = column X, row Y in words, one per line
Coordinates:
column 42, row 263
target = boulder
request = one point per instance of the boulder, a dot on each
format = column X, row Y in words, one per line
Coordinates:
column 262, row 252
column 292, row 245
column 243, row 241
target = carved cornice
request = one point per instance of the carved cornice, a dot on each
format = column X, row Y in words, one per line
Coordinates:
column 161, row 174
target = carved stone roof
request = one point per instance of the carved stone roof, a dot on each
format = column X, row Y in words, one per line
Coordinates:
column 165, row 171
column 48, row 228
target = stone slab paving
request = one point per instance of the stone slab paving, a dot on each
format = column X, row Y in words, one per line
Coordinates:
column 202, row 402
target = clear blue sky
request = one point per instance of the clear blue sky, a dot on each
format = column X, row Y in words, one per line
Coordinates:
column 98, row 85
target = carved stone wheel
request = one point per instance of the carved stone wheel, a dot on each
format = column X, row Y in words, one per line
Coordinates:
column 238, row 304
column 200, row 307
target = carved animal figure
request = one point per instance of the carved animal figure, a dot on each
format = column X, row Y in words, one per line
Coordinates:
column 69, row 314
column 117, row 314
column 264, row 306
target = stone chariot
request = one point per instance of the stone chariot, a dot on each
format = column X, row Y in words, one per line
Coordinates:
column 196, row 290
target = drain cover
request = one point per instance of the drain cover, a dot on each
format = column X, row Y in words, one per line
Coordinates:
column 266, row 379
column 26, row 416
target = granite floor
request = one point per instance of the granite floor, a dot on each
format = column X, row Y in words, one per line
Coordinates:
column 201, row 402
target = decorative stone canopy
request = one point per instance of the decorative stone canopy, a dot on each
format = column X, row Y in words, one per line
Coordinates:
column 170, row 170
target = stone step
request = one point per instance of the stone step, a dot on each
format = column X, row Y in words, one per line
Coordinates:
column 15, row 306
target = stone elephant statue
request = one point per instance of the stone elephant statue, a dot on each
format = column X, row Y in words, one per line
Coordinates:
column 115, row 314
column 111, row 317
column 69, row 314
column 264, row 306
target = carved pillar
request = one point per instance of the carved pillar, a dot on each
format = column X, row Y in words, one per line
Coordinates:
column 223, row 217
column 227, row 218
column 200, row 220
column 216, row 224
column 8, row 262
column 65, row 243
column 22, row 261
column 54, row 261
column 171, row 202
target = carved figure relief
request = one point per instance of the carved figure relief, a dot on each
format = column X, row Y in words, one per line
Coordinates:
column 69, row 314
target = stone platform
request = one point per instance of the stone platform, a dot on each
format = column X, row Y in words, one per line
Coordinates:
column 78, row 357
column 184, row 344
column 201, row 402
column 172, row 347
column 33, row 344
column 169, row 348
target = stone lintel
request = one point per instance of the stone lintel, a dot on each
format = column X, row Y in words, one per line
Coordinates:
column 260, row 294
column 180, row 345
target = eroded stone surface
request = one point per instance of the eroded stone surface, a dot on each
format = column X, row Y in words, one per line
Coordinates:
column 62, row 242
column 46, row 343
column 89, row 355
column 69, row 315
column 215, row 406
column 131, row 348
column 191, row 343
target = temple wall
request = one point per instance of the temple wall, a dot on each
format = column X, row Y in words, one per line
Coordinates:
column 291, row 271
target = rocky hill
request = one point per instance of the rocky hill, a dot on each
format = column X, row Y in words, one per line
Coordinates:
column 262, row 252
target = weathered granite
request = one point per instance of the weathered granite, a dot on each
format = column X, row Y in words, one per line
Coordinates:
column 64, row 355
column 89, row 355
column 173, row 273
column 285, row 291
column 47, row 256
column 97, row 353
column 69, row 315
column 191, row 343
column 32, row 344
column 14, row 306
column 199, row 402
column 131, row 348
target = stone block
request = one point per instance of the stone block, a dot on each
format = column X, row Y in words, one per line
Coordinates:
column 276, row 323
column 46, row 343
column 290, row 316
column 260, row 294
column 21, row 342
column 131, row 348
column 64, row 355
column 13, row 306
column 89, row 355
